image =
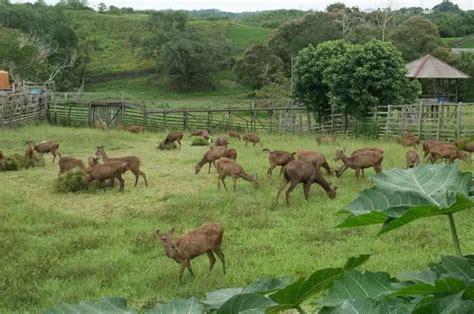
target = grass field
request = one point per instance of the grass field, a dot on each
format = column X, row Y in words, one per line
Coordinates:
column 57, row 248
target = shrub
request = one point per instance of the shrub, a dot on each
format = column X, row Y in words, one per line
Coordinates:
column 71, row 181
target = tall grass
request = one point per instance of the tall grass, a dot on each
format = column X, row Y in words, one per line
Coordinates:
column 57, row 247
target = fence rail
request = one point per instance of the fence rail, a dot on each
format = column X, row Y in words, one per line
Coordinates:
column 426, row 120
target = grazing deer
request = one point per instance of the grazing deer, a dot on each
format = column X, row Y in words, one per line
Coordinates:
column 227, row 167
column 447, row 152
column 315, row 158
column 234, row 134
column 413, row 160
column 359, row 161
column 69, row 163
column 172, row 137
column 278, row 158
column 110, row 170
column 205, row 239
column 326, row 140
column 214, row 154
column 201, row 133
column 221, row 141
column 252, row 138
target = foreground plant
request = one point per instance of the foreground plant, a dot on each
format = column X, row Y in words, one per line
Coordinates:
column 445, row 287
column 402, row 196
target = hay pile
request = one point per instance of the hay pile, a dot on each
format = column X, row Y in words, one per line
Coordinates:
column 167, row 146
column 17, row 162
column 71, row 181
column 200, row 142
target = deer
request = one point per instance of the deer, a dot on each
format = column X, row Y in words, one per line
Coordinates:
column 109, row 170
column 357, row 151
column 298, row 171
column 221, row 141
column 315, row 158
column 234, row 134
column 448, row 152
column 30, row 154
column 408, row 141
column 205, row 239
column 133, row 163
column 252, row 138
column 2, row 161
column 413, row 159
column 99, row 124
column 429, row 144
column 469, row 147
column 214, row 154
column 278, row 158
column 135, row 128
column 326, row 140
column 94, row 161
column 69, row 163
column 359, row 162
column 201, row 133
column 227, row 167
column 172, row 137
column 48, row 147
column 461, row 141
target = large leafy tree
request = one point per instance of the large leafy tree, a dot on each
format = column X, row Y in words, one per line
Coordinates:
column 367, row 76
column 310, row 88
column 186, row 56
column 415, row 37
column 258, row 67
column 294, row 35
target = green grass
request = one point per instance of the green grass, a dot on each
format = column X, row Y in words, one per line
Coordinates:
column 57, row 248
column 242, row 36
column 145, row 89
column 459, row 42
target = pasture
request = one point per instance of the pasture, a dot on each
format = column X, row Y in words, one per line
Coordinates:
column 57, row 248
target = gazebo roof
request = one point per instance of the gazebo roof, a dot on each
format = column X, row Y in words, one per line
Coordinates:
column 431, row 67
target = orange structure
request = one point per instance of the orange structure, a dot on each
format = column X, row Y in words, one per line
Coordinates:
column 4, row 81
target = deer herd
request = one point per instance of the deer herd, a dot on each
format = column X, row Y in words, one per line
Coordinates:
column 295, row 167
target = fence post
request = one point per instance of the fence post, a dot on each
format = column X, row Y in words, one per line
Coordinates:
column 145, row 117
column 185, row 118
column 438, row 131
column 458, row 120
column 209, row 119
column 420, row 119
column 229, row 118
column 402, row 127
column 164, row 118
column 253, row 124
column 309, row 120
column 279, row 121
column 332, row 120
column 387, row 128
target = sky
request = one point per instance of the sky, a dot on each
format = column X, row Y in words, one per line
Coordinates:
column 256, row 5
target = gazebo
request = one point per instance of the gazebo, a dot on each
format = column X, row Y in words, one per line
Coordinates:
column 429, row 67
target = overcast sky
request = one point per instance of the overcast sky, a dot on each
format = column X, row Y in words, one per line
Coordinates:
column 255, row 5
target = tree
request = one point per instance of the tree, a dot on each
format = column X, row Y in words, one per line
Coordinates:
column 102, row 7
column 186, row 56
column 446, row 6
column 310, row 88
column 292, row 36
column 369, row 75
column 415, row 37
column 258, row 67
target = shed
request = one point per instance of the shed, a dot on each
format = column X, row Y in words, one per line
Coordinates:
column 429, row 67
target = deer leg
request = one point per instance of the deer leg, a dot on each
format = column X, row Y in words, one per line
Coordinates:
column 144, row 177
column 363, row 174
column 181, row 271
column 209, row 171
column 281, row 170
column 219, row 254
column 290, row 189
column 282, row 187
column 328, row 169
column 223, row 182
column 212, row 260
column 188, row 266
column 179, row 142
column 270, row 170
column 306, row 189
column 135, row 173
column 234, row 178
column 122, row 184
column 357, row 170
column 54, row 156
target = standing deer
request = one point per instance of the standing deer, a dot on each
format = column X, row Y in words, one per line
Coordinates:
column 205, row 239
column 227, row 167
column 48, row 147
column 360, row 161
column 278, row 158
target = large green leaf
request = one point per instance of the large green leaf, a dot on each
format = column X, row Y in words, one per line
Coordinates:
column 246, row 302
column 354, row 262
column 109, row 305
column 297, row 292
column 263, row 286
column 449, row 304
column 357, row 285
column 401, row 196
column 370, row 306
column 215, row 299
column 191, row 306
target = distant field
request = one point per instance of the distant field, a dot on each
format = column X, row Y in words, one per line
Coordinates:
column 57, row 248
column 459, row 42
column 243, row 36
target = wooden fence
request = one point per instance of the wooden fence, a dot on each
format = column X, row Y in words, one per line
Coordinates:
column 22, row 107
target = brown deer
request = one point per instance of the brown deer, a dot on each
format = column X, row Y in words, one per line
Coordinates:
column 413, row 159
column 298, row 171
column 110, row 170
column 214, row 154
column 326, row 140
column 48, row 147
column 172, row 137
column 99, row 124
column 448, row 152
column 133, row 163
column 94, row 161
column 408, row 141
column 429, row 144
column 227, row 167
column 205, row 239
column 201, row 133
column 460, row 141
column 252, row 138
column 135, row 128
column 359, row 161
column 316, row 159
column 278, row 158
column 234, row 134
column 69, row 163
column 2, row 161
column 221, row 141
column 469, row 147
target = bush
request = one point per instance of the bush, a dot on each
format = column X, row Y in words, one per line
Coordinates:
column 200, row 142
column 71, row 181
column 364, row 128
